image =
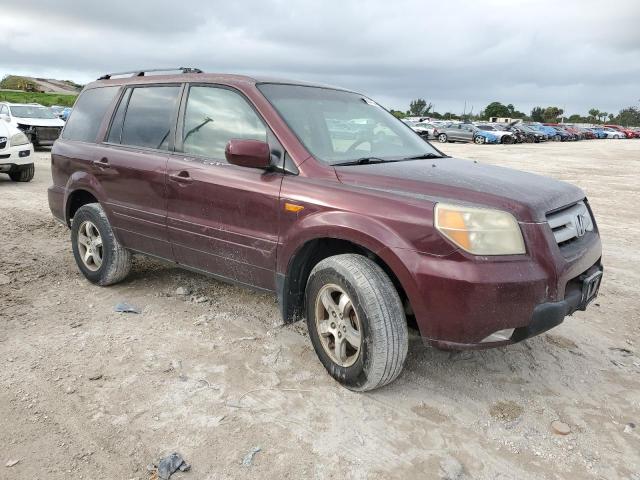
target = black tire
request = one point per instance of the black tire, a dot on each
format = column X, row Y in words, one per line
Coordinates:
column 25, row 174
column 557, row 138
column 442, row 138
column 507, row 140
column 116, row 260
column 382, row 322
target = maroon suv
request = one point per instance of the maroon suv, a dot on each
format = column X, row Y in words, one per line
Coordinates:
column 320, row 195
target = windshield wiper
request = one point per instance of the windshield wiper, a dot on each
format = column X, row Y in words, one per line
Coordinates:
column 426, row 155
column 363, row 161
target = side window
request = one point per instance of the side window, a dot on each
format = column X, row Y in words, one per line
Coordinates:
column 148, row 118
column 213, row 117
column 4, row 110
column 115, row 132
column 87, row 114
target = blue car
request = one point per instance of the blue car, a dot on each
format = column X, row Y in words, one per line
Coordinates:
column 550, row 132
column 598, row 132
column 64, row 115
column 484, row 136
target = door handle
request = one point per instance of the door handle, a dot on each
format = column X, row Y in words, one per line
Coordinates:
column 181, row 177
column 102, row 163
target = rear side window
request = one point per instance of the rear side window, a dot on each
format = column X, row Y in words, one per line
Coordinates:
column 87, row 114
column 150, row 112
column 213, row 117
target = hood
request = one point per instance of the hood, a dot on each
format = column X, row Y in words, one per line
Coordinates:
column 40, row 122
column 526, row 195
column 8, row 130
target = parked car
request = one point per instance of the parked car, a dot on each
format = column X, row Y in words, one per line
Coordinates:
column 561, row 134
column 503, row 135
column 613, row 133
column 56, row 110
column 627, row 132
column 39, row 123
column 64, row 115
column 16, row 154
column 245, row 183
column 575, row 134
column 530, row 134
column 425, row 129
column 550, row 132
column 586, row 133
column 464, row 132
column 598, row 132
column 485, row 136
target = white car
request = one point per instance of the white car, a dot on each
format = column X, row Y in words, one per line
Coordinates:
column 16, row 154
column 425, row 129
column 613, row 133
column 39, row 123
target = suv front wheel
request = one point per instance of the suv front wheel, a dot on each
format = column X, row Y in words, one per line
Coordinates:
column 356, row 322
column 99, row 255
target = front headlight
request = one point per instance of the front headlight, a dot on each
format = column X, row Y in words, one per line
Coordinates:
column 19, row 139
column 480, row 231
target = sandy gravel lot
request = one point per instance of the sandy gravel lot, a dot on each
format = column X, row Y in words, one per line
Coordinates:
column 86, row 393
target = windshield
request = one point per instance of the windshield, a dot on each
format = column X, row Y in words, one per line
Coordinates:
column 337, row 126
column 31, row 111
column 486, row 127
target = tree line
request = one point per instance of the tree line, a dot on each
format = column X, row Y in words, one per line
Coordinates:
column 629, row 116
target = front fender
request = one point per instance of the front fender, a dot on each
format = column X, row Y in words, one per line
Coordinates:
column 356, row 228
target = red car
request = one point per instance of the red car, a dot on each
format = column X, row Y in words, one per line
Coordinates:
column 628, row 132
column 324, row 198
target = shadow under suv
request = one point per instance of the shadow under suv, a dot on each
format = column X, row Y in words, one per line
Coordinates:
column 320, row 195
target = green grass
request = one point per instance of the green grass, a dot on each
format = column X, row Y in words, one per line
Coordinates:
column 46, row 99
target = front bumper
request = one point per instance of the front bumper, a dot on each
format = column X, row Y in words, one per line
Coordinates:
column 459, row 300
column 14, row 158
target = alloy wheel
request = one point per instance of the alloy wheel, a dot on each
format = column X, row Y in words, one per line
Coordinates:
column 338, row 325
column 90, row 245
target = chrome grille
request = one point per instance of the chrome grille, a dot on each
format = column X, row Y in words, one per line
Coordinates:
column 570, row 223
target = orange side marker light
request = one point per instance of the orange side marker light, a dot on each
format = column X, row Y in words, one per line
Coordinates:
column 292, row 207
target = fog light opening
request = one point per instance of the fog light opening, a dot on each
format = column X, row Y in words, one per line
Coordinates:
column 499, row 336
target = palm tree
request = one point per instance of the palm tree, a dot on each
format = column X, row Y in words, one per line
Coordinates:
column 594, row 113
column 603, row 116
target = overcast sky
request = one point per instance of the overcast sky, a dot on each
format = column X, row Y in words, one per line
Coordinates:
column 572, row 54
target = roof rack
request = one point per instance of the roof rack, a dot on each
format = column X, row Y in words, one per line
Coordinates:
column 141, row 73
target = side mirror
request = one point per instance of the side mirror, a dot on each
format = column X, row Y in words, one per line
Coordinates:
column 248, row 153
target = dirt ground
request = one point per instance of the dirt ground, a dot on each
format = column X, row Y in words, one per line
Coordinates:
column 87, row 393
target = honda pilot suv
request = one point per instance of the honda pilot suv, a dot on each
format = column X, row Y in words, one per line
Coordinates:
column 361, row 230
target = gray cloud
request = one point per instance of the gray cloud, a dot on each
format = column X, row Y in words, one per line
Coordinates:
column 574, row 54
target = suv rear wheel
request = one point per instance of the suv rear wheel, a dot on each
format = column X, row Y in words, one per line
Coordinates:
column 356, row 322
column 25, row 174
column 99, row 255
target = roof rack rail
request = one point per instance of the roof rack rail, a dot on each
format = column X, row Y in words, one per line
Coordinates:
column 141, row 73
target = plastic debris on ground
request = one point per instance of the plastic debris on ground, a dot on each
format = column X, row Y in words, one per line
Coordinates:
column 171, row 464
column 124, row 307
column 248, row 458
